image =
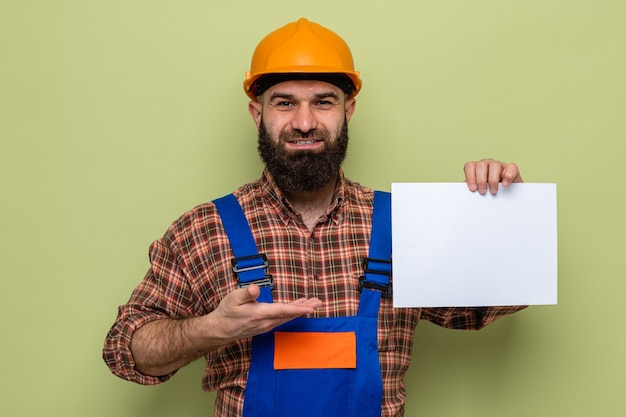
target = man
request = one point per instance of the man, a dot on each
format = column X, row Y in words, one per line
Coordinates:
column 309, row 337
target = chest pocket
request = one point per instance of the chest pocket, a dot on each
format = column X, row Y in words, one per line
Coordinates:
column 314, row 350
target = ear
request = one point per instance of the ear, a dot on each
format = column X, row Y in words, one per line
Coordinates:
column 350, row 108
column 256, row 110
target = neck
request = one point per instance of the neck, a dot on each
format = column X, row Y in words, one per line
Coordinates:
column 312, row 205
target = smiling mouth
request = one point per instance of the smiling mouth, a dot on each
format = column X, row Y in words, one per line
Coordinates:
column 304, row 142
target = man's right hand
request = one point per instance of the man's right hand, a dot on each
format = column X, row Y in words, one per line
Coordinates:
column 163, row 346
column 239, row 315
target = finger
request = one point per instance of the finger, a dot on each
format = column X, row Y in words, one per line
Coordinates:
column 470, row 176
column 309, row 305
column 246, row 295
column 482, row 170
column 284, row 312
column 494, row 175
column 315, row 302
column 510, row 175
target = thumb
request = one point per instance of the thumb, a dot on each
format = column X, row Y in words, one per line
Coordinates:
column 249, row 293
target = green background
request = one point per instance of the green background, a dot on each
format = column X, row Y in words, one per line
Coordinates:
column 118, row 116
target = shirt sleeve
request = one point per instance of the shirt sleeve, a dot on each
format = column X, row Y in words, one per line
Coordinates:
column 163, row 293
column 467, row 318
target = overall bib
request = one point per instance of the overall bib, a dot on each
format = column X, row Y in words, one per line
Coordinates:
column 315, row 367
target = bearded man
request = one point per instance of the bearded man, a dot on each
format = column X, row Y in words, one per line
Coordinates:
column 308, row 336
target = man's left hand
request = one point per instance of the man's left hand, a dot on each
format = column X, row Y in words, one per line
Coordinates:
column 488, row 174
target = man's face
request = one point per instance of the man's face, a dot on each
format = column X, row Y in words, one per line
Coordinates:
column 303, row 132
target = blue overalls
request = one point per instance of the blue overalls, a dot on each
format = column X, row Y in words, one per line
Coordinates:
column 315, row 367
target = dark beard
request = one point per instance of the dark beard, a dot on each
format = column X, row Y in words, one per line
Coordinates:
column 303, row 171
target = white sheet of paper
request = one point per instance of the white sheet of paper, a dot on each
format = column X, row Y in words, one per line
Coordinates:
column 455, row 248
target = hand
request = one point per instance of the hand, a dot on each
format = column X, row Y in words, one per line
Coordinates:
column 488, row 173
column 160, row 347
column 239, row 315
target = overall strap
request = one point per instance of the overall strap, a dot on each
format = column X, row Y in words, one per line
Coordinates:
column 376, row 279
column 248, row 264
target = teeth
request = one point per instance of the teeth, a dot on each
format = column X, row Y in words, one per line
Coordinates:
column 304, row 142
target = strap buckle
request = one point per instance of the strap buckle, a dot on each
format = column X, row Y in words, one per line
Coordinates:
column 250, row 263
column 379, row 267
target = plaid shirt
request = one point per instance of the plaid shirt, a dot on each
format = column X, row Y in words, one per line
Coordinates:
column 190, row 273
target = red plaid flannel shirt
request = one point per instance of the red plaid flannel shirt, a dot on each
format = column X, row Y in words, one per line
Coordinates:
column 190, row 273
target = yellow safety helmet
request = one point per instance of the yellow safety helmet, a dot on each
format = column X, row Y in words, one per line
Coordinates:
column 302, row 50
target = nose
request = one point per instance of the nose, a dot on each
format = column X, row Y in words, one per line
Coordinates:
column 304, row 119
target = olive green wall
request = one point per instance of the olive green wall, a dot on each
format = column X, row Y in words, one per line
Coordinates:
column 117, row 116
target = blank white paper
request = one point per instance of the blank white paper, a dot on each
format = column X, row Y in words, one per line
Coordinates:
column 456, row 248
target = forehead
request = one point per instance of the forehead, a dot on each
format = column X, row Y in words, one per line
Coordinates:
column 303, row 89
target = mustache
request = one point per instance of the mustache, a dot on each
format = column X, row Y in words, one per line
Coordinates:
column 316, row 134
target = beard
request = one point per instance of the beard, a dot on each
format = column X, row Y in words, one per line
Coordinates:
column 306, row 170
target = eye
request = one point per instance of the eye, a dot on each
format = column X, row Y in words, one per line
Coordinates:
column 283, row 104
column 325, row 104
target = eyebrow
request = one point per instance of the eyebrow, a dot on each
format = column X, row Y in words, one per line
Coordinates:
column 280, row 95
column 318, row 96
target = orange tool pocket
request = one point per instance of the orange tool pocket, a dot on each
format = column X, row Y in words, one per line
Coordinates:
column 314, row 350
